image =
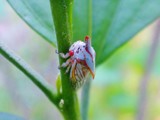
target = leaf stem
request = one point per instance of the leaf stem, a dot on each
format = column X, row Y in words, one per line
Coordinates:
column 86, row 88
column 62, row 16
column 38, row 80
column 85, row 98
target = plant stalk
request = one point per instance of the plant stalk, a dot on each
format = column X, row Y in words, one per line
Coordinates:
column 85, row 98
column 62, row 17
column 86, row 88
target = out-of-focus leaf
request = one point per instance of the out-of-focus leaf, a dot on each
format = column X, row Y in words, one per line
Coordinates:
column 37, row 14
column 7, row 116
column 114, row 22
column 82, row 19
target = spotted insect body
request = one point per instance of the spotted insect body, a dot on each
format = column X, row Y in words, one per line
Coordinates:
column 81, row 62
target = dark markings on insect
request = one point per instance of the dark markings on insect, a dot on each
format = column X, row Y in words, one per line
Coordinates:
column 77, row 51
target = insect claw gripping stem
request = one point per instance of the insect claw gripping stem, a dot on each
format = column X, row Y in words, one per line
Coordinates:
column 66, row 63
column 56, row 51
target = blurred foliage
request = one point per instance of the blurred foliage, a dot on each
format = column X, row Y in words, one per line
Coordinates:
column 5, row 116
column 117, row 83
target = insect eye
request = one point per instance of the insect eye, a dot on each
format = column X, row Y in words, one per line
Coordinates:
column 71, row 53
column 87, row 38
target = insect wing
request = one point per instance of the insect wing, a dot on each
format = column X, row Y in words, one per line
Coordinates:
column 90, row 64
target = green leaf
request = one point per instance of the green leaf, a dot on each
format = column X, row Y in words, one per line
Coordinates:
column 37, row 14
column 7, row 116
column 82, row 19
column 114, row 22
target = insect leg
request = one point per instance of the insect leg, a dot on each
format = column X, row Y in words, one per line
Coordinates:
column 62, row 54
column 65, row 64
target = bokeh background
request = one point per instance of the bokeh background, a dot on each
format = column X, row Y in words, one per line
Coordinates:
column 115, row 90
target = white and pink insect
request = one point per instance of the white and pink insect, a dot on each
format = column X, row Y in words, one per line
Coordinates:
column 81, row 62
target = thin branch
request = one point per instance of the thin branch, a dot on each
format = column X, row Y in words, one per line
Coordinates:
column 85, row 99
column 36, row 78
column 142, row 107
column 86, row 88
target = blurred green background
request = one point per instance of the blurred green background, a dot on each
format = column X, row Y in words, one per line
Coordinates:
column 115, row 89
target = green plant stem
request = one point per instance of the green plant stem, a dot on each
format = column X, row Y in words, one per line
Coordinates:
column 85, row 99
column 86, row 88
column 62, row 16
column 38, row 80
